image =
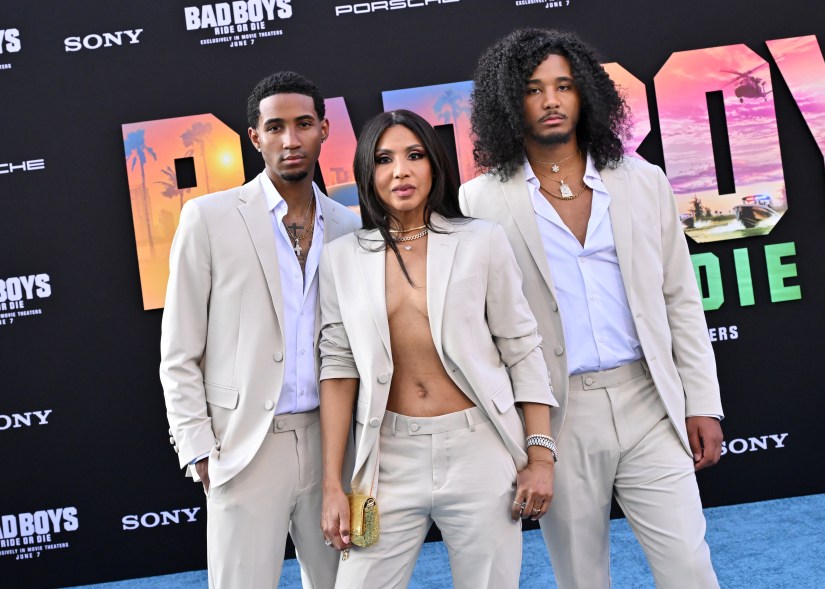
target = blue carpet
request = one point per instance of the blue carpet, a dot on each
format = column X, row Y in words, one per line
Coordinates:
column 776, row 544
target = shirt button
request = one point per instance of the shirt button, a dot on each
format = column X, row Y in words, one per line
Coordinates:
column 375, row 422
column 301, row 392
column 269, row 405
column 592, row 297
column 302, row 352
column 588, row 381
column 296, row 275
column 558, row 350
column 383, row 378
column 277, row 356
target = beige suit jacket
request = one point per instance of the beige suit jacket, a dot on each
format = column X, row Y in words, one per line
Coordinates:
column 480, row 322
column 658, row 276
column 222, row 341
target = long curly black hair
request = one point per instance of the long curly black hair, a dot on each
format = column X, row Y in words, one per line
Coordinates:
column 498, row 100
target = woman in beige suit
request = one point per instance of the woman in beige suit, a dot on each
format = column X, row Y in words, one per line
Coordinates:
column 424, row 324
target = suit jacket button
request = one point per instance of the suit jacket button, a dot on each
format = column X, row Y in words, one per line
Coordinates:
column 269, row 405
column 383, row 378
column 170, row 431
column 375, row 422
column 177, row 450
column 558, row 350
column 172, row 441
column 277, row 356
column 554, row 306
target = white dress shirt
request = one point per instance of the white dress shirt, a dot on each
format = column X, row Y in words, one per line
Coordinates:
column 299, row 291
column 598, row 327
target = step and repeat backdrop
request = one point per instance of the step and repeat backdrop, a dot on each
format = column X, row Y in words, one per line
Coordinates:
column 113, row 114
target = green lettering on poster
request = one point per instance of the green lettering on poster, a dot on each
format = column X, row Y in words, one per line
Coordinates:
column 716, row 295
column 778, row 272
column 742, row 263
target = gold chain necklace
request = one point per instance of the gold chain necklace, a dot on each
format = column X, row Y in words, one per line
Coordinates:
column 406, row 230
column 563, row 196
column 555, row 165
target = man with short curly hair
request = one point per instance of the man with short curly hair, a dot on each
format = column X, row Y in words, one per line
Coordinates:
column 238, row 346
column 609, row 278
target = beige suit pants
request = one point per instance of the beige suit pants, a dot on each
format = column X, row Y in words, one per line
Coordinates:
column 249, row 516
column 452, row 469
column 618, row 441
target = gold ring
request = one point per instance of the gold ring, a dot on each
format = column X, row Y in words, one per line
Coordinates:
column 523, row 504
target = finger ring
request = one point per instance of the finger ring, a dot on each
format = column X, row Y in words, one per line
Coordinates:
column 536, row 509
column 522, row 504
column 328, row 542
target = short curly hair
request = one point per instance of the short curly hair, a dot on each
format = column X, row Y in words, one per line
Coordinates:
column 285, row 82
column 497, row 118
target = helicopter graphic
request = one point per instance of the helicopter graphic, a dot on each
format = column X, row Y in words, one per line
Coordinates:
column 748, row 85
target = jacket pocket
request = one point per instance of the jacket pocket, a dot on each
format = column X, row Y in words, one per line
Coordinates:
column 464, row 283
column 503, row 399
column 220, row 395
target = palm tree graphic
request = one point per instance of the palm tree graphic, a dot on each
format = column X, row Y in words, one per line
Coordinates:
column 136, row 148
column 198, row 134
column 170, row 186
column 449, row 108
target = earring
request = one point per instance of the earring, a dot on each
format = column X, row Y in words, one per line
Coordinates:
column 259, row 150
column 323, row 139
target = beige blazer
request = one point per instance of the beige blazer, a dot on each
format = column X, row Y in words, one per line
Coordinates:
column 222, row 340
column 480, row 322
column 658, row 279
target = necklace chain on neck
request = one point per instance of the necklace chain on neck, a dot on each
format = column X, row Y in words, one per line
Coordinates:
column 407, row 230
column 411, row 237
column 555, row 165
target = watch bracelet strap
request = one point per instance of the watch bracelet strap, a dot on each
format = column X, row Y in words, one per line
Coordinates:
column 545, row 442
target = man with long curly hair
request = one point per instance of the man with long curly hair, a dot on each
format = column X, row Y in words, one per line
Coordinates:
column 608, row 276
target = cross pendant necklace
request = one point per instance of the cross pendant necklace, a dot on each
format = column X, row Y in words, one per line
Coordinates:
column 297, row 247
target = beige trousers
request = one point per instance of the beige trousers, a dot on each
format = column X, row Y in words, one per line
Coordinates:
column 452, row 469
column 618, row 441
column 249, row 516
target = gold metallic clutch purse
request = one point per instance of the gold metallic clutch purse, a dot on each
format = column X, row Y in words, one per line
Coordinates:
column 363, row 520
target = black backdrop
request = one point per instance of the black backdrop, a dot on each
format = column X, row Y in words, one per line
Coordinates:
column 90, row 488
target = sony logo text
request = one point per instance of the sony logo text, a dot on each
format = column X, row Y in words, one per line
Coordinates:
column 754, row 444
column 18, row 420
column 96, row 41
column 164, row 518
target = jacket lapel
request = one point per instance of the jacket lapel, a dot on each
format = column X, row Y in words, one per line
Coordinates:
column 517, row 195
column 255, row 214
column 371, row 264
column 621, row 219
column 332, row 225
column 440, row 255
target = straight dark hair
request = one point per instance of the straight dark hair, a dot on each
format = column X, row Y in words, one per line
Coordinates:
column 443, row 197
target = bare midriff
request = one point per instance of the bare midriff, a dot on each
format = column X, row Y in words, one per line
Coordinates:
column 420, row 384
